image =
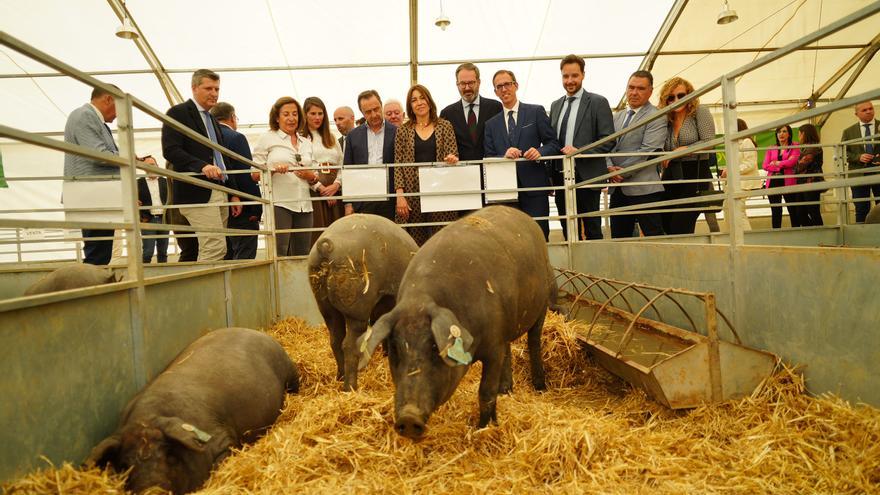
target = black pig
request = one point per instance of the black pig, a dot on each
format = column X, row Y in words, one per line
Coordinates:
column 475, row 286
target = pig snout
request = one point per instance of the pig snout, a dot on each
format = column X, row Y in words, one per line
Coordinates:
column 410, row 422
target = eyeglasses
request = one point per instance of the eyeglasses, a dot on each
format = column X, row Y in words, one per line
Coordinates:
column 467, row 84
column 504, row 85
column 671, row 98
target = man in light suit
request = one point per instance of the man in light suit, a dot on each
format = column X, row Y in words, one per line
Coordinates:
column 647, row 139
column 863, row 156
column 239, row 247
column 580, row 118
column 87, row 126
column 186, row 155
column 522, row 130
column 359, row 151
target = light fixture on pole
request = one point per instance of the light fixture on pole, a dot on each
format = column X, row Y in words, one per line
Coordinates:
column 126, row 30
column 442, row 21
column 726, row 16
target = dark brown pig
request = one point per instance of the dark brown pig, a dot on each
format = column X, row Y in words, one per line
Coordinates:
column 355, row 269
column 474, row 287
column 223, row 390
column 72, row 277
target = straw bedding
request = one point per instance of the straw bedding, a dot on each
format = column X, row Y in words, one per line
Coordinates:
column 589, row 433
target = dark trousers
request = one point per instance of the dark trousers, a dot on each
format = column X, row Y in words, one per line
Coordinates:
column 587, row 202
column 381, row 208
column 863, row 207
column 776, row 211
column 242, row 247
column 683, row 222
column 97, row 252
column 810, row 215
column 160, row 245
column 536, row 205
column 624, row 225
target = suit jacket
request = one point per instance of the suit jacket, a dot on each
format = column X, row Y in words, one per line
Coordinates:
column 532, row 130
column 853, row 151
column 357, row 152
column 592, row 123
column 455, row 114
column 236, row 142
column 647, row 139
column 85, row 128
column 186, row 155
column 147, row 200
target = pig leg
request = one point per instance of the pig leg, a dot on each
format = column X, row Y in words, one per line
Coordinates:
column 537, row 365
column 488, row 394
column 351, row 353
column 336, row 325
column 506, row 386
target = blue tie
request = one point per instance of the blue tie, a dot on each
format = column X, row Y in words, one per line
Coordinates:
column 110, row 133
column 218, row 158
column 869, row 147
column 510, row 123
column 629, row 116
column 563, row 126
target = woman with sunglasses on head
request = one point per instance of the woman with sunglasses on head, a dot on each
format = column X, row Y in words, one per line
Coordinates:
column 779, row 162
column 688, row 125
column 326, row 153
column 810, row 162
column 424, row 137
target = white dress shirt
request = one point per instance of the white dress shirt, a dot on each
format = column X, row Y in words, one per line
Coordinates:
column 515, row 110
column 375, row 145
column 288, row 190
column 322, row 154
column 466, row 106
column 572, row 117
column 155, row 195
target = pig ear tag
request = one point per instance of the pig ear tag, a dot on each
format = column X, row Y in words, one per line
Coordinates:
column 202, row 436
column 457, row 352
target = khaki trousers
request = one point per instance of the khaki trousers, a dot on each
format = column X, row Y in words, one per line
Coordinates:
column 212, row 245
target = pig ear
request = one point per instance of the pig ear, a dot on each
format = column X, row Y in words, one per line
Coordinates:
column 183, row 433
column 375, row 334
column 446, row 329
column 104, row 452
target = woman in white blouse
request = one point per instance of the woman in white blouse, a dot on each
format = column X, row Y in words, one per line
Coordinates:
column 749, row 176
column 284, row 153
column 326, row 153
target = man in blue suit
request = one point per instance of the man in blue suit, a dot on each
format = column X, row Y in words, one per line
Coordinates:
column 239, row 247
column 522, row 130
column 580, row 118
column 372, row 143
column 87, row 126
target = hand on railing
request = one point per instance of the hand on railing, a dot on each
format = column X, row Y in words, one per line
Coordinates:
column 236, row 209
column 513, row 153
column 616, row 178
column 403, row 209
column 451, row 159
column 212, row 171
column 532, row 154
column 282, row 168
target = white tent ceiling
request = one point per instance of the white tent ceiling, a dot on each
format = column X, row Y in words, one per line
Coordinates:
column 254, row 43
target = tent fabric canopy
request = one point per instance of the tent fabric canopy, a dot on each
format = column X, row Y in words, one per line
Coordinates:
column 256, row 43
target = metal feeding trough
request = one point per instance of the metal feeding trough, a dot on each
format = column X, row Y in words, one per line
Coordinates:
column 679, row 368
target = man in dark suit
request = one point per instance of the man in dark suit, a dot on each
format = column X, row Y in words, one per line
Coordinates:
column 863, row 156
column 522, row 130
column 358, row 151
column 239, row 247
column 186, row 155
column 153, row 191
column 470, row 114
column 343, row 117
column 580, row 118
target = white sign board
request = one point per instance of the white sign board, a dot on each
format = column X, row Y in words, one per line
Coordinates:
column 500, row 175
column 91, row 195
column 364, row 182
column 450, row 179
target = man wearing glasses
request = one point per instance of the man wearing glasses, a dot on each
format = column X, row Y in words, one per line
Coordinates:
column 522, row 130
column 470, row 114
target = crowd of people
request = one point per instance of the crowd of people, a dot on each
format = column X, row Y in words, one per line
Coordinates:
column 304, row 159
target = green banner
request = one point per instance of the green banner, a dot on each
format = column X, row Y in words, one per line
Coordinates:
column 2, row 179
